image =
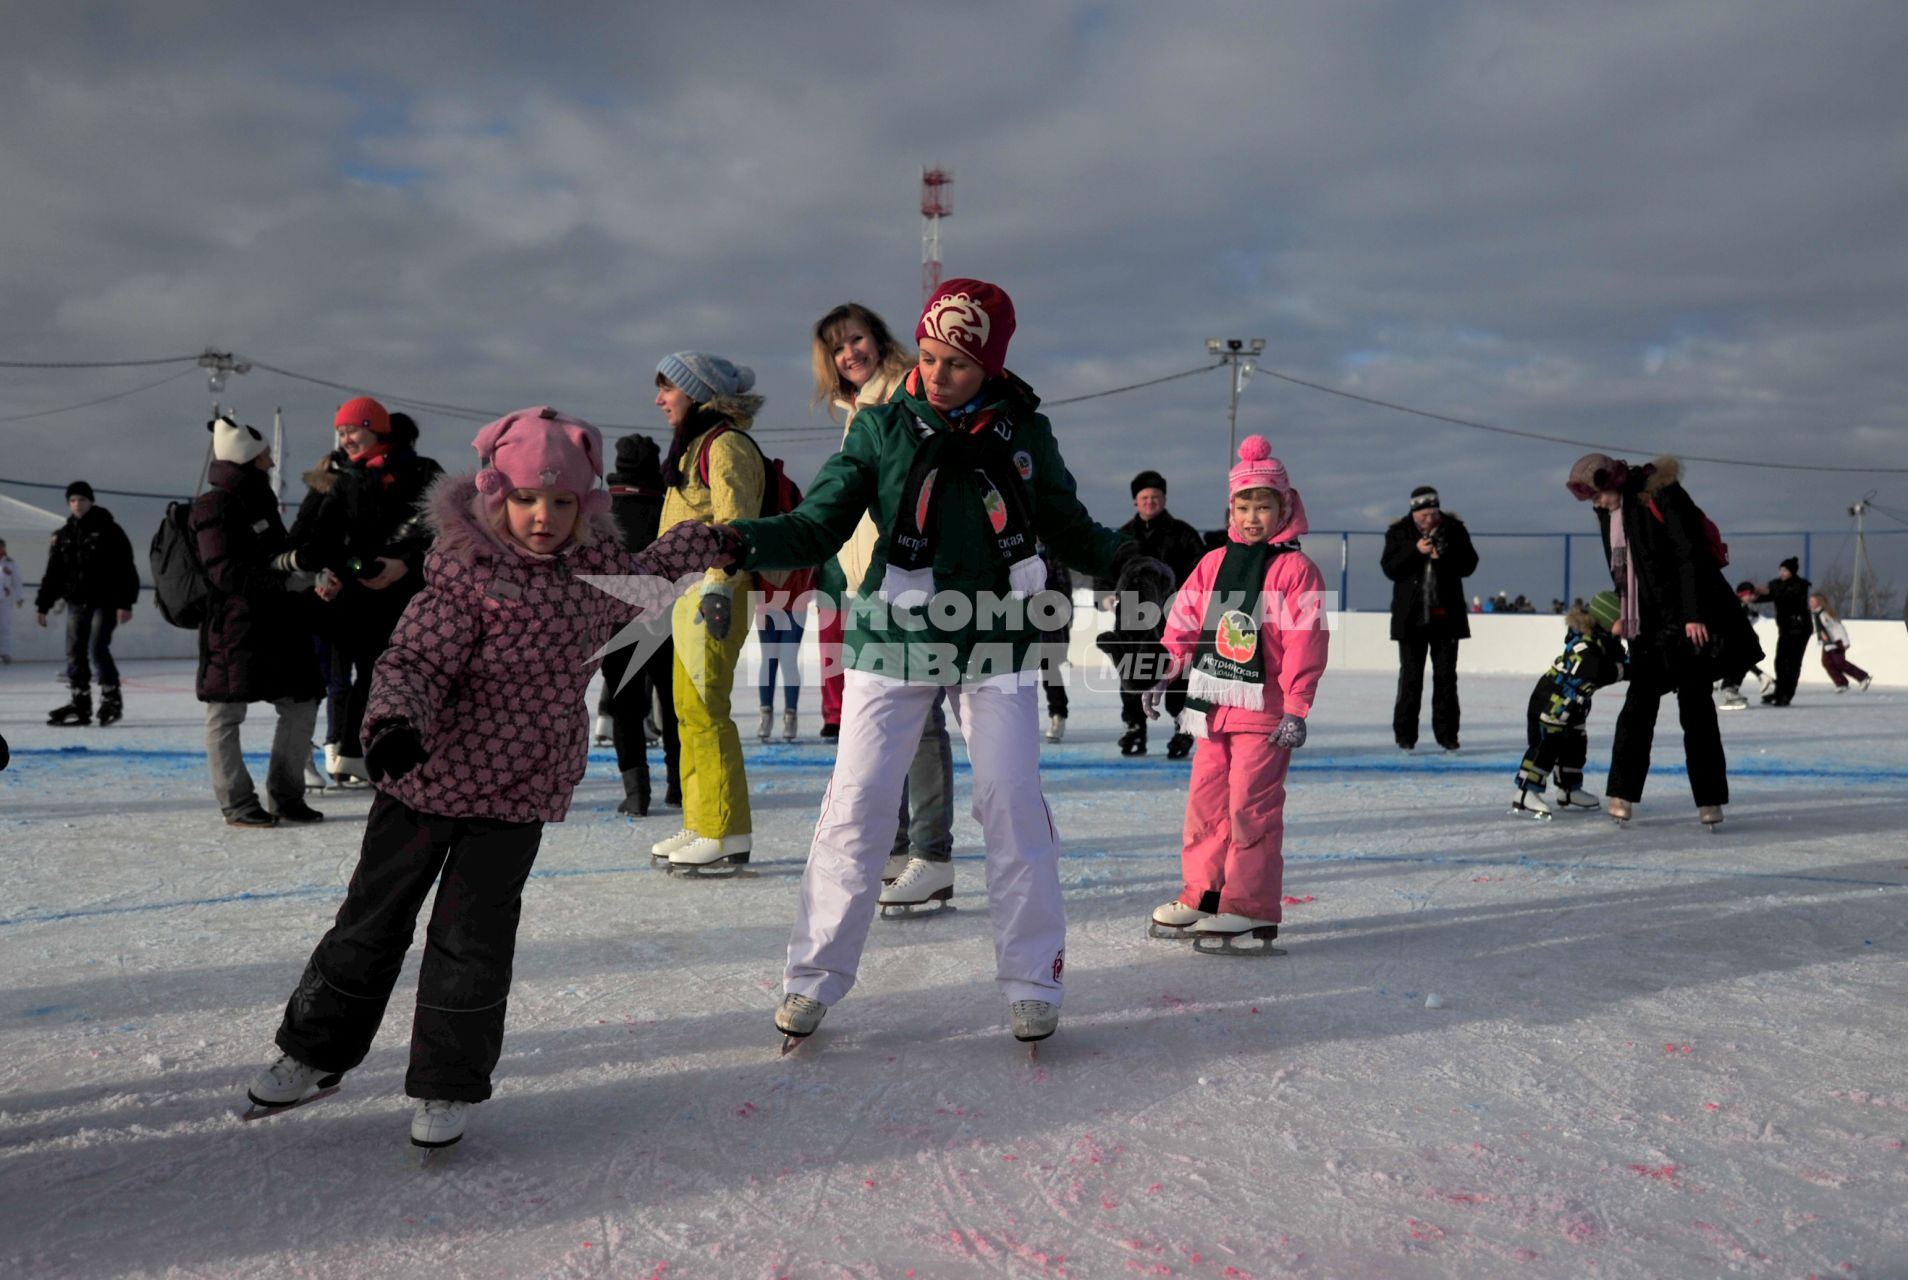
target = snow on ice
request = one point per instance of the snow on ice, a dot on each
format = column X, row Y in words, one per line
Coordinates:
column 1495, row 1048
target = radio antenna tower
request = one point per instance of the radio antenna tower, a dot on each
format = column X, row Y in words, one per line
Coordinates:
column 936, row 203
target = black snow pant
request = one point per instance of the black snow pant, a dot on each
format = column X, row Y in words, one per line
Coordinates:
column 648, row 689
column 463, row 985
column 1443, row 650
column 1652, row 675
column 1791, row 646
column 1562, row 747
column 362, row 636
column 89, row 645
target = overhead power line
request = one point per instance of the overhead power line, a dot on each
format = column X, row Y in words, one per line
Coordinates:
column 93, row 364
column 87, row 404
column 1575, row 444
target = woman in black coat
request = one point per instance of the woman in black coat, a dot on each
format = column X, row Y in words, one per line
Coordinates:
column 255, row 641
column 369, row 531
column 1681, row 618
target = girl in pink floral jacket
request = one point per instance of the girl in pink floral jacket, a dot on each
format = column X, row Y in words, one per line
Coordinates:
column 1250, row 626
column 476, row 733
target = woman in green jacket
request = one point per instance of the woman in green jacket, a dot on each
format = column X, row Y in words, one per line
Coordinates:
column 961, row 474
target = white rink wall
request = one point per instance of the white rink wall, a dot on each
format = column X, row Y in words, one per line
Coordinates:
column 1500, row 643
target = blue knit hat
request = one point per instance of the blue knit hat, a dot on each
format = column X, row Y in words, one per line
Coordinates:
column 702, row 376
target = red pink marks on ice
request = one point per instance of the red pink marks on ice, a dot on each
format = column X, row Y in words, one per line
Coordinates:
column 1289, row 901
column 1660, row 1172
column 1674, row 1049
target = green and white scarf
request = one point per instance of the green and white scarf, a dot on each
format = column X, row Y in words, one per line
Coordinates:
column 1229, row 662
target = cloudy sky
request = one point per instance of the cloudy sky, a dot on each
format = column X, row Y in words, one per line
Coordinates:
column 1677, row 227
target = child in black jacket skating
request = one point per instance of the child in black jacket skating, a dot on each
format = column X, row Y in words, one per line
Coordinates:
column 1592, row 658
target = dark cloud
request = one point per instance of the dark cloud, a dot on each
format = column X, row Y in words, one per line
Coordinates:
column 1671, row 227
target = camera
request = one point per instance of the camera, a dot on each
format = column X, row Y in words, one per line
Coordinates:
column 1436, row 539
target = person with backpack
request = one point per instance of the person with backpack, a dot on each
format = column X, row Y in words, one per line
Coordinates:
column 1679, row 616
column 255, row 633
column 715, row 475
column 91, row 569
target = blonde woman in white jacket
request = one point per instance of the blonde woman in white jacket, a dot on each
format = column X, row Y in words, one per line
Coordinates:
column 858, row 363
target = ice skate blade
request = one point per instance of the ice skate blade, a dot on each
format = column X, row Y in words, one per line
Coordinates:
column 1166, row 933
column 1538, row 814
column 432, row 1148
column 710, row 870
column 264, row 1110
column 791, row 1042
column 1236, row 948
column 934, row 906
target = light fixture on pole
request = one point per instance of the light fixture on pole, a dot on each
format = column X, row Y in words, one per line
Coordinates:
column 218, row 365
column 1243, row 355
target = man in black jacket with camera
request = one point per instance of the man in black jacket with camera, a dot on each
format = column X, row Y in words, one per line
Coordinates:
column 1427, row 556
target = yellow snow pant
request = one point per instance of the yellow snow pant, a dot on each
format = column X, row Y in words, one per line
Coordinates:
column 715, row 789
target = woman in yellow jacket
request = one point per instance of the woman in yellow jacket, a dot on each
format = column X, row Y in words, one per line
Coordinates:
column 715, row 473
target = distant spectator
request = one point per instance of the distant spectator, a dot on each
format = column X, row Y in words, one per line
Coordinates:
column 1158, row 534
column 1789, row 593
column 90, row 568
column 255, row 641
column 1428, row 555
column 9, row 600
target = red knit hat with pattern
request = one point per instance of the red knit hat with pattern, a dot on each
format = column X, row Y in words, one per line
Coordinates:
column 972, row 316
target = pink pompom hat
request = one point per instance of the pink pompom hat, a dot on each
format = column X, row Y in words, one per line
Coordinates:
column 1257, row 468
column 540, row 448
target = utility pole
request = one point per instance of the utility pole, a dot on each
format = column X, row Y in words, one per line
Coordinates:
column 1859, row 511
column 1242, row 354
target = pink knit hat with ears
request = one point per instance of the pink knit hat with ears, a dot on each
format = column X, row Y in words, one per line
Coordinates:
column 539, row 448
column 1257, row 468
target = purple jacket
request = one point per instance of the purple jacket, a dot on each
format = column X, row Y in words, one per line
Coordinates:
column 490, row 663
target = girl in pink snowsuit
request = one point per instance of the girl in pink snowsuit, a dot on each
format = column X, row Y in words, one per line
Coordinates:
column 1250, row 624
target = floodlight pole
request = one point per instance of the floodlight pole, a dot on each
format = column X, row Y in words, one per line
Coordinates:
column 1241, row 356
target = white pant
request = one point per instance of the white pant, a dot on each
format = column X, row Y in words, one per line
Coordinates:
column 881, row 723
column 7, row 610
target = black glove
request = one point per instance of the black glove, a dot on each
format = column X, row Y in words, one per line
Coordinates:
column 715, row 611
column 394, row 751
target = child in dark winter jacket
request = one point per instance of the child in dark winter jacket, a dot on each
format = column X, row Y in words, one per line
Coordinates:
column 1592, row 658
column 476, row 734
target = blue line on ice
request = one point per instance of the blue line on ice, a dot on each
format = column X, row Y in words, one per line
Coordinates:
column 1427, row 859
column 796, row 759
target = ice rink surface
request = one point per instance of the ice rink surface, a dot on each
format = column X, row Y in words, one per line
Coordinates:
column 1652, row 1052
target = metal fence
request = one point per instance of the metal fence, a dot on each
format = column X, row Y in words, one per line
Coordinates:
column 1548, row 568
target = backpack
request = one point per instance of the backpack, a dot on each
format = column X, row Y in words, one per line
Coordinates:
column 780, row 495
column 179, row 584
column 1718, row 549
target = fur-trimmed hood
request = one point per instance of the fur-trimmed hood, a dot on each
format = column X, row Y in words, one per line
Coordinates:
column 450, row 509
column 1660, row 474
